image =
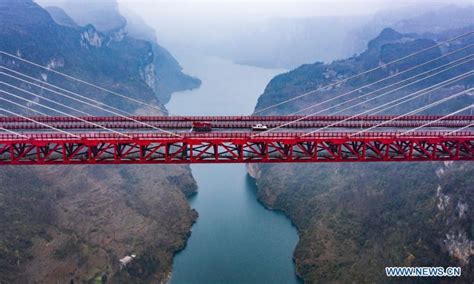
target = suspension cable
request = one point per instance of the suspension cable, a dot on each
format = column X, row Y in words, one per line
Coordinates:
column 436, row 120
column 57, row 87
column 92, row 105
column 410, row 84
column 35, row 121
column 14, row 132
column 46, row 99
column 365, row 95
column 86, row 83
column 462, row 128
column 11, row 131
column 37, row 111
column 364, row 72
column 397, row 104
column 397, row 83
column 415, row 111
column 419, row 93
column 389, row 77
column 61, row 112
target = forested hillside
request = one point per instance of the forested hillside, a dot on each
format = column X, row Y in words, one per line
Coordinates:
column 72, row 224
column 356, row 219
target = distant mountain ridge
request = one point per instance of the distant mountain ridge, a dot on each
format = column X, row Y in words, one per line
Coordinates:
column 168, row 76
column 389, row 45
column 60, row 17
column 416, row 19
column 104, row 14
column 281, row 42
column 354, row 219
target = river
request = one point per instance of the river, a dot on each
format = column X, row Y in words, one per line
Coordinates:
column 235, row 239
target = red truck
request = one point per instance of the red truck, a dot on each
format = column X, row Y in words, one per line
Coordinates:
column 202, row 126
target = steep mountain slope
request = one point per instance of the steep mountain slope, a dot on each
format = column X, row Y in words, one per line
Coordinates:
column 60, row 17
column 72, row 224
column 356, row 219
column 419, row 18
column 104, row 14
column 164, row 75
column 168, row 71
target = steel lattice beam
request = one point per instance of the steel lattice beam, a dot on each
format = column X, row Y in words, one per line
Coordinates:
column 59, row 149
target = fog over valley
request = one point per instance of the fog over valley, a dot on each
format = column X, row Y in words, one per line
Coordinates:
column 279, row 33
column 236, row 141
column 282, row 34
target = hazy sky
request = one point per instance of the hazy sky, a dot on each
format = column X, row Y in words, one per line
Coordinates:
column 265, row 8
column 193, row 19
column 201, row 23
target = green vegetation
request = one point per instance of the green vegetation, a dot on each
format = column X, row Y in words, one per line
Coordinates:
column 355, row 219
column 69, row 248
column 24, row 215
column 88, row 215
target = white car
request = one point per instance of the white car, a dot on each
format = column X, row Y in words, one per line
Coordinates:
column 259, row 127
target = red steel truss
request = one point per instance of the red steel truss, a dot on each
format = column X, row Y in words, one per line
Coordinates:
column 241, row 147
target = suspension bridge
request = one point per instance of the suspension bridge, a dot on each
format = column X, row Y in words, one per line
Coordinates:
column 317, row 132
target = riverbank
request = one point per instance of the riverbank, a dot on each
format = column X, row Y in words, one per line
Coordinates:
column 235, row 239
column 282, row 211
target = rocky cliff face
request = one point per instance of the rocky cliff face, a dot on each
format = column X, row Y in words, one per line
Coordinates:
column 164, row 74
column 356, row 219
column 73, row 224
column 104, row 14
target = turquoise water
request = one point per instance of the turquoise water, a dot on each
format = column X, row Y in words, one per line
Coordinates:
column 235, row 239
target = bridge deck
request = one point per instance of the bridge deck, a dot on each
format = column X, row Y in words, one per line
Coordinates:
column 234, row 147
column 241, row 118
column 233, row 122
